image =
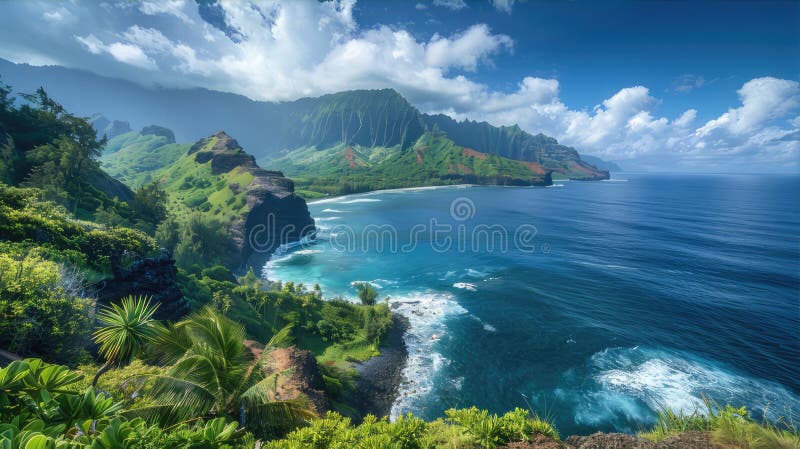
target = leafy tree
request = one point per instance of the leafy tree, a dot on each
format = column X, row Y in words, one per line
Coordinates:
column 203, row 238
column 367, row 293
column 168, row 234
column 212, row 373
column 150, row 204
column 125, row 329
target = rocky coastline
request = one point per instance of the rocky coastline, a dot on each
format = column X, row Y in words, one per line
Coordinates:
column 379, row 377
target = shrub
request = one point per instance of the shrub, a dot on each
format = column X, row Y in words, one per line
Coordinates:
column 42, row 311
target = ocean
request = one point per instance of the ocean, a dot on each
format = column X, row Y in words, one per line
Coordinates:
column 592, row 303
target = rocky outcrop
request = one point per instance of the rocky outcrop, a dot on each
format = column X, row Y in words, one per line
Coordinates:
column 298, row 375
column 275, row 214
column 156, row 130
column 154, row 277
column 379, row 377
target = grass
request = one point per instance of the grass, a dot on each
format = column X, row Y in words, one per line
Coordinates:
column 728, row 425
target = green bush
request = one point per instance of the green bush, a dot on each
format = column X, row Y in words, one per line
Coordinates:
column 42, row 310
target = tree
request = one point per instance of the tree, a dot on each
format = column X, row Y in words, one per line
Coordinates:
column 150, row 204
column 367, row 293
column 126, row 328
column 213, row 373
column 203, row 238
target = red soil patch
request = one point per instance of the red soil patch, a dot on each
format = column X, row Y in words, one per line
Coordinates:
column 419, row 157
column 579, row 167
column 535, row 167
column 350, row 156
column 451, row 170
column 463, row 169
column 469, row 152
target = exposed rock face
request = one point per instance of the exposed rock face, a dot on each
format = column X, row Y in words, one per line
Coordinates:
column 276, row 215
column 379, row 377
column 298, row 374
column 156, row 130
column 154, row 277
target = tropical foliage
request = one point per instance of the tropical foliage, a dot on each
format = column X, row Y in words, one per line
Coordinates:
column 40, row 408
column 728, row 425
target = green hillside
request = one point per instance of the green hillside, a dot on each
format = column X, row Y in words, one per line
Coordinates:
column 432, row 160
column 133, row 157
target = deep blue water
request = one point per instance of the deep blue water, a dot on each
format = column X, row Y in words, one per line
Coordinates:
column 655, row 289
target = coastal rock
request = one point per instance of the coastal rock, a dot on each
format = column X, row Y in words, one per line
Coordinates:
column 379, row 377
column 275, row 214
column 153, row 277
column 298, row 374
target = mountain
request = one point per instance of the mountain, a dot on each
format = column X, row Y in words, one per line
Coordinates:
column 378, row 120
column 217, row 178
column 109, row 128
column 514, row 143
column 608, row 166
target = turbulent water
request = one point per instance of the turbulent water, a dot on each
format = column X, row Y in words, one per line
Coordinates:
column 610, row 299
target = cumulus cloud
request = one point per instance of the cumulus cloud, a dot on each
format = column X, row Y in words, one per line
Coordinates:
column 271, row 50
column 466, row 49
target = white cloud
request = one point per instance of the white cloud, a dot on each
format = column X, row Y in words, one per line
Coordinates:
column 503, row 5
column 763, row 99
column 421, row 6
column 170, row 7
column 453, row 5
column 56, row 15
column 122, row 52
column 466, row 49
column 170, row 44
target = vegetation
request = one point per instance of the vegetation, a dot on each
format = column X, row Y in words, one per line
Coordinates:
column 43, row 310
column 124, row 331
column 730, row 426
column 432, row 160
column 465, row 428
column 367, row 294
column 41, row 407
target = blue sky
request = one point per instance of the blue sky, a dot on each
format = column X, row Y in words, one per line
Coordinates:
column 694, row 86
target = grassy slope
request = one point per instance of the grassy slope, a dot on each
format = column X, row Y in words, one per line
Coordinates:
column 133, row 158
column 138, row 159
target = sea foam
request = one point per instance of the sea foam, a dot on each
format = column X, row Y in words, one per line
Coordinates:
column 427, row 313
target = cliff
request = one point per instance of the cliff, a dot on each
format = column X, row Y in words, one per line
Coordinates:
column 514, row 143
column 260, row 206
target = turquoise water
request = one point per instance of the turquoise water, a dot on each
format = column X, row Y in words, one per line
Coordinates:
column 614, row 297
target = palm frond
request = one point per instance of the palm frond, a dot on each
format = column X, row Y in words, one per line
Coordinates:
column 125, row 328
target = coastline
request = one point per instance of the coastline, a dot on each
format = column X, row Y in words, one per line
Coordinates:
column 399, row 189
column 379, row 379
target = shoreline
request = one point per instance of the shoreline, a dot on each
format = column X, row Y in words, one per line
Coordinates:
column 399, row 189
column 378, row 383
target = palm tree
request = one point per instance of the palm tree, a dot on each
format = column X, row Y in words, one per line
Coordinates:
column 125, row 329
column 212, row 373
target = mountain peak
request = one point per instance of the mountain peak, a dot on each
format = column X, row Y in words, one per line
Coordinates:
column 219, row 142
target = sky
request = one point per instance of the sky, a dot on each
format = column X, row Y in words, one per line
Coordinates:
column 663, row 86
